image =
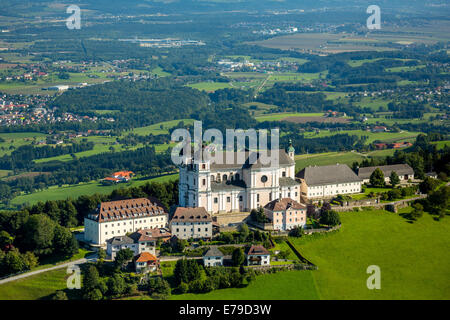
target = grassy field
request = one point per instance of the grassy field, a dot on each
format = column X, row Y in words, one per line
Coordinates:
column 159, row 128
column 373, row 136
column 61, row 193
column 442, row 144
column 210, row 86
column 35, row 287
column 293, row 285
column 281, row 116
column 413, row 258
column 329, row 158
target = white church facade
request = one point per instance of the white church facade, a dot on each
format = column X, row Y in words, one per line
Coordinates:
column 237, row 187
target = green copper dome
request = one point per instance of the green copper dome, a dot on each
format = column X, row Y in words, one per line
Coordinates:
column 291, row 148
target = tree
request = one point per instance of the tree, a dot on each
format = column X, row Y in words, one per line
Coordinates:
column 297, row 232
column 183, row 288
column 258, row 215
column 116, row 285
column 186, row 271
column 439, row 201
column 101, row 255
column 243, row 232
column 428, row 185
column 13, row 262
column 123, row 257
column 5, row 239
column 95, row 294
column 65, row 242
column 330, row 218
column 158, row 288
column 238, row 257
column 377, row 178
column 39, row 231
column 60, row 295
column 30, row 260
column 417, row 211
column 394, row 179
column 325, row 207
column 91, row 279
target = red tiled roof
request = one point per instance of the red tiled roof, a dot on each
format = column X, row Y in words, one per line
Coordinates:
column 284, row 204
column 155, row 233
column 191, row 215
column 127, row 209
column 257, row 250
column 146, row 257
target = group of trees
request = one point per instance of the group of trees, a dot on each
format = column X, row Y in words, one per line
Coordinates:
column 189, row 276
column 245, row 235
column 26, row 238
column 23, row 156
column 101, row 281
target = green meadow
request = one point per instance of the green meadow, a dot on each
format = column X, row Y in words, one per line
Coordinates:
column 372, row 136
column 413, row 258
column 281, row 116
column 36, row 287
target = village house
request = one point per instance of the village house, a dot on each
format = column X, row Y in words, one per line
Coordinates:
column 257, row 256
column 136, row 242
column 191, row 223
column 238, row 186
column 159, row 234
column 285, row 214
column 146, row 262
column 119, row 177
column 404, row 172
column 213, row 257
column 117, row 218
column 321, row 182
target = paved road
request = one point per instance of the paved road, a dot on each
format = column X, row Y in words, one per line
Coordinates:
column 59, row 266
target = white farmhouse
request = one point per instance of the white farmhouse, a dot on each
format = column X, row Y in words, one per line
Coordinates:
column 213, row 257
column 258, row 256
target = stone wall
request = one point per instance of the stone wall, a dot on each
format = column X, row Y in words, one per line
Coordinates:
column 231, row 218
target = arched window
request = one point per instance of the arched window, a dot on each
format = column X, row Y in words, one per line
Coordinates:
column 225, row 177
column 237, row 177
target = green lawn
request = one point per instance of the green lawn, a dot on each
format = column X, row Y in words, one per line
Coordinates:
column 210, row 86
column 441, row 144
column 372, row 136
column 292, row 285
column 413, row 258
column 35, row 287
column 281, row 116
column 329, row 158
column 156, row 129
